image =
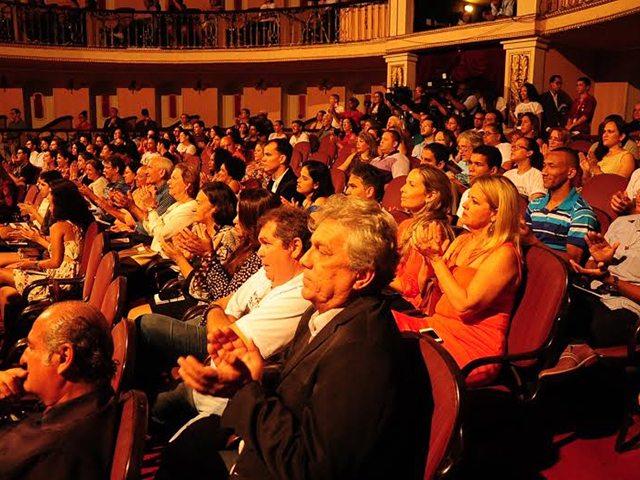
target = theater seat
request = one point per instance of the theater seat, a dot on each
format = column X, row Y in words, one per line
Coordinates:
column 321, row 157
column 132, row 430
column 392, row 193
column 598, row 191
column 123, row 334
column 339, row 180
column 107, row 271
column 114, row 300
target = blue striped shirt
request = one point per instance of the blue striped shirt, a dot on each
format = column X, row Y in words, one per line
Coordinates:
column 568, row 223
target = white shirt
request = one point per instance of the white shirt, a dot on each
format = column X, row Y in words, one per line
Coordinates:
column 417, row 150
column 634, row 185
column 275, row 136
column 531, row 107
column 98, row 186
column 396, row 163
column 36, row 159
column 506, row 8
column 189, row 150
column 529, row 183
column 302, row 138
column 269, row 316
column 338, row 109
column 320, row 320
column 276, row 182
column 505, row 151
column 177, row 217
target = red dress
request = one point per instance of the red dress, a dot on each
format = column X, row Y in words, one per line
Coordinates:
column 481, row 335
column 409, row 269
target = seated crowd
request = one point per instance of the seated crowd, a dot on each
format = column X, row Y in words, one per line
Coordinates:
column 270, row 276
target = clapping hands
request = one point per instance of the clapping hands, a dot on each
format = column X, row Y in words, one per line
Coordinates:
column 236, row 362
column 431, row 241
column 197, row 242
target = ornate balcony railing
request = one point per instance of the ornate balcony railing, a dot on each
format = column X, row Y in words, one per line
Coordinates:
column 550, row 7
column 126, row 28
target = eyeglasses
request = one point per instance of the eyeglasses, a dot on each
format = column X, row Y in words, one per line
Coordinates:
column 490, row 133
column 520, row 147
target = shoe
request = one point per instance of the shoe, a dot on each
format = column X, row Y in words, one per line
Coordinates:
column 573, row 358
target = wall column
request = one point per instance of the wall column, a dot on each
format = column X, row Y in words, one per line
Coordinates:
column 401, row 70
column 400, row 17
column 525, row 59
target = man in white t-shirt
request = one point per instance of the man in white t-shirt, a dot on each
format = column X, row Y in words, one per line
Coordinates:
column 624, row 203
column 278, row 127
column 485, row 160
column 298, row 136
column 266, row 308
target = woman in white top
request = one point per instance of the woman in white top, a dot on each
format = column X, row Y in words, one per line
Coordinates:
column 37, row 213
column 183, row 186
column 185, row 147
column 93, row 170
column 527, row 177
column 529, row 102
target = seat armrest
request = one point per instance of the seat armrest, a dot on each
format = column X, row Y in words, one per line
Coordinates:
column 193, row 312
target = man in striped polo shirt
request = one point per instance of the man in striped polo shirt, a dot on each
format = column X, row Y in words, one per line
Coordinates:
column 561, row 219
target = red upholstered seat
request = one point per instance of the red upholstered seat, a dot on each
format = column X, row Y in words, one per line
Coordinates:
column 304, row 148
column 107, row 271
column 114, row 300
column 132, row 430
column 123, row 334
column 339, row 180
column 321, row 157
column 598, row 191
column 603, row 219
column 296, row 162
column 327, row 146
column 392, row 193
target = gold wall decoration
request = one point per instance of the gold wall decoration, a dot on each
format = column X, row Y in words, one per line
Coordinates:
column 397, row 76
column 519, row 68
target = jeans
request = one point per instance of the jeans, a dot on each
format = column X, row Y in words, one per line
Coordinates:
column 160, row 341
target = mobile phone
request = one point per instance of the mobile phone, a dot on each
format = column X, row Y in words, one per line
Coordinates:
column 432, row 333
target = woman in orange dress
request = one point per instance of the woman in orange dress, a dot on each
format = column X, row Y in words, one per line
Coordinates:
column 477, row 276
column 427, row 195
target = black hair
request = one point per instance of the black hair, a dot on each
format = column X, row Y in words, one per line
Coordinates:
column 532, row 92
column 145, row 112
column 69, row 204
column 220, row 156
column 371, row 177
column 554, row 77
column 536, row 157
column 439, row 151
column 491, row 154
column 585, row 80
column 222, row 197
column 283, row 147
column 50, row 176
column 235, row 167
column 116, row 162
column 320, row 174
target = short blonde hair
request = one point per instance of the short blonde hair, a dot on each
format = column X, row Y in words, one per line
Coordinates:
column 503, row 196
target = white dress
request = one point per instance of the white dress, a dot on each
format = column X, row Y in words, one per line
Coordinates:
column 67, row 269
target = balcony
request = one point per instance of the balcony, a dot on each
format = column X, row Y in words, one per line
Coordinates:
column 129, row 29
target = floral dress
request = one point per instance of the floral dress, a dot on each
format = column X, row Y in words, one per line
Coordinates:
column 67, row 269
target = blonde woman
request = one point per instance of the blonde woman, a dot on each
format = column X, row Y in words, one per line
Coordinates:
column 428, row 196
column 477, row 275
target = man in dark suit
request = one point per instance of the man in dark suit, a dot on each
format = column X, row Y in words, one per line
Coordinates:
column 556, row 103
column 284, row 182
column 349, row 402
column 113, row 123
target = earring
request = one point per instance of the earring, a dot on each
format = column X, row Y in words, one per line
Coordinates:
column 492, row 228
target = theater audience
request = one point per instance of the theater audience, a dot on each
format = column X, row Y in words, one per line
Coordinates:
column 366, row 150
column 435, row 155
column 529, row 126
column 378, row 111
column 427, row 195
column 67, row 366
column 500, row 9
column 98, row 181
column 352, row 256
column 256, row 168
column 20, row 171
column 609, row 156
column 527, row 176
column 390, row 159
column 560, row 219
column 315, row 125
column 37, row 214
column 326, row 130
column 348, row 135
column 365, row 182
column 582, row 108
column 559, row 137
column 112, row 123
column 478, row 276
column 335, row 110
column 266, row 309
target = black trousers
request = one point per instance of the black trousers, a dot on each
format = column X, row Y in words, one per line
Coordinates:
column 592, row 321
